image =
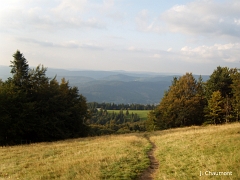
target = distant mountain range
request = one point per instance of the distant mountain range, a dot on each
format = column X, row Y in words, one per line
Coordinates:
column 114, row 86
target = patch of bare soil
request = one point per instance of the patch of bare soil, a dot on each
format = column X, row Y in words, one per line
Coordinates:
column 149, row 172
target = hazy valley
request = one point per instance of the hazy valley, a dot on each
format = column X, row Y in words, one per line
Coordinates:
column 114, row 86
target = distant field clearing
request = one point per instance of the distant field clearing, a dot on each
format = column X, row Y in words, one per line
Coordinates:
column 141, row 113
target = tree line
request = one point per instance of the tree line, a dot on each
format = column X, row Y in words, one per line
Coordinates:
column 113, row 106
column 193, row 102
column 34, row 107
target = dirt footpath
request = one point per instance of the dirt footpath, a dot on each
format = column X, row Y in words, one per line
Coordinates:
column 149, row 172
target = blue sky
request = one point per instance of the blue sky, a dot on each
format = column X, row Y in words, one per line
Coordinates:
column 132, row 35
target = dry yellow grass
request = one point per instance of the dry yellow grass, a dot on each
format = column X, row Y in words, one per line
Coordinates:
column 184, row 152
column 84, row 158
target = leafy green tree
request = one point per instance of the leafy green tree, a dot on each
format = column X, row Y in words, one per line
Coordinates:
column 182, row 104
column 151, row 121
column 215, row 108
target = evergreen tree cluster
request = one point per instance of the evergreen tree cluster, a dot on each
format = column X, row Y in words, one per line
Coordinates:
column 35, row 108
column 193, row 102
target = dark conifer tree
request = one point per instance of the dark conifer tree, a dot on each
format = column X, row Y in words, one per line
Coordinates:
column 20, row 69
column 220, row 80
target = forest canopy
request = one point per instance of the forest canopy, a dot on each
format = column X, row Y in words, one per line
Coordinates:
column 37, row 108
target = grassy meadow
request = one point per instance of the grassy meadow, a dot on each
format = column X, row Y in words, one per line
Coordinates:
column 182, row 154
column 106, row 157
column 141, row 113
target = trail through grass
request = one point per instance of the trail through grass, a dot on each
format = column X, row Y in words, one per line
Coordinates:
column 149, row 173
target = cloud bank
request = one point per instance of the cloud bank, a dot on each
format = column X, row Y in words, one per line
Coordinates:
column 128, row 35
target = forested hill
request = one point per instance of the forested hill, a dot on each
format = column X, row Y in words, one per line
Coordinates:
column 113, row 86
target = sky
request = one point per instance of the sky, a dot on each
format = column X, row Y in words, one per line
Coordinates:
column 164, row 36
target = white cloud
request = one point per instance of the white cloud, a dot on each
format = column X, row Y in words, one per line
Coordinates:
column 237, row 22
column 204, row 17
column 200, row 17
column 66, row 14
column 108, row 4
column 135, row 49
column 142, row 20
column 179, row 8
column 218, row 52
column 70, row 6
column 157, row 56
column 72, row 44
column 131, row 48
column 75, row 14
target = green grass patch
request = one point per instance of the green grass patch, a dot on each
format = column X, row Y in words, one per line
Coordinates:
column 141, row 113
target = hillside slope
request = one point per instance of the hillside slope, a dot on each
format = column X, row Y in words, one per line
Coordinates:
column 124, row 92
